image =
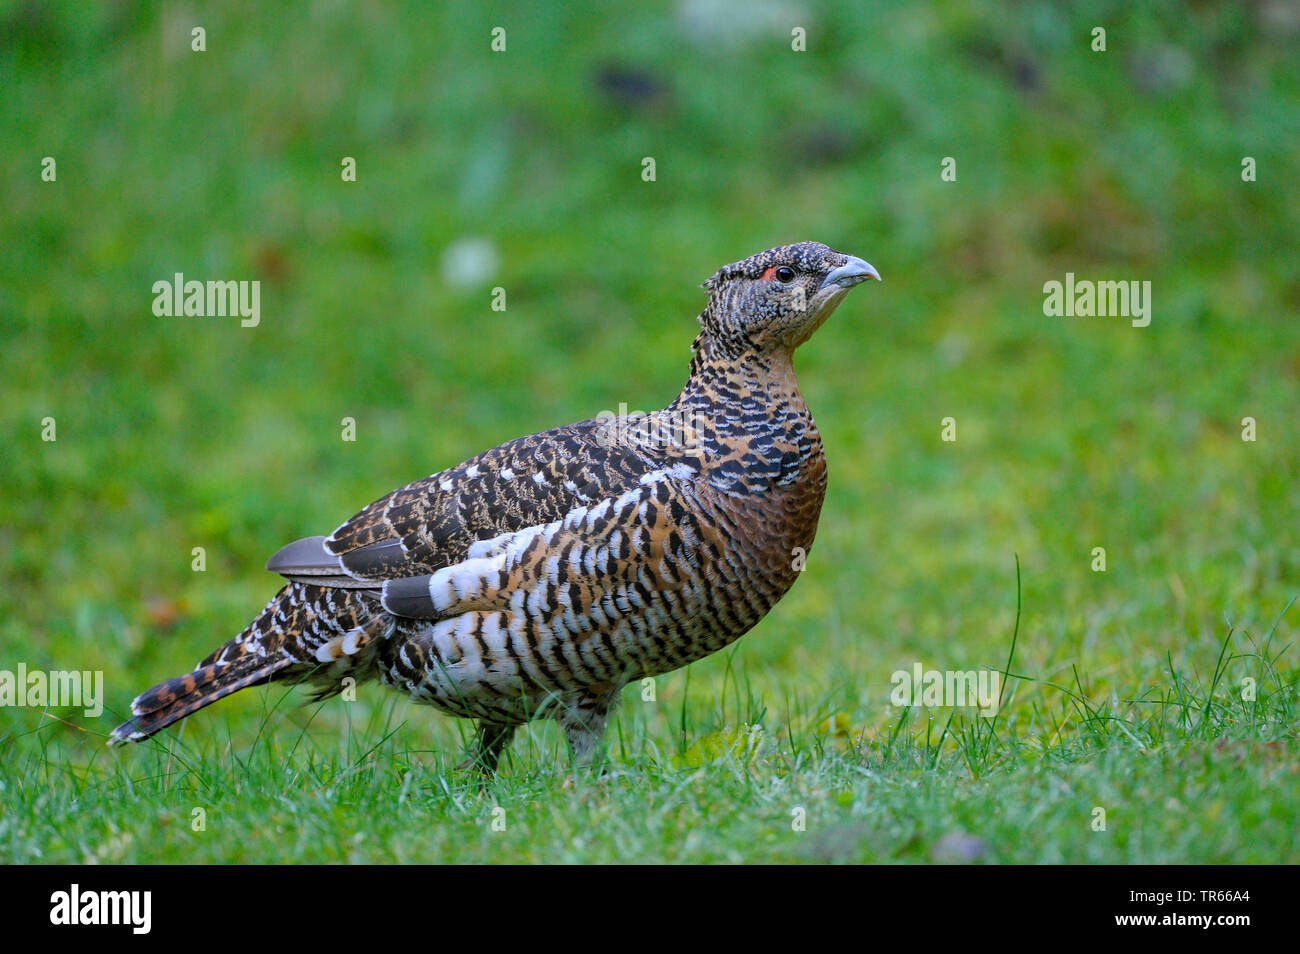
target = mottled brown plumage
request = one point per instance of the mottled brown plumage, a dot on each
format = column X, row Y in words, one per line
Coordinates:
column 541, row 576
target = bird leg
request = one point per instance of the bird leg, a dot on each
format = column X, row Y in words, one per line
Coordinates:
column 490, row 740
column 583, row 720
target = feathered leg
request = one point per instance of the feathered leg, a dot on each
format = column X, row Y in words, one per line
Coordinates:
column 490, row 740
column 583, row 720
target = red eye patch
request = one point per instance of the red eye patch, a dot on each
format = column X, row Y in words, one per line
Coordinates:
column 768, row 275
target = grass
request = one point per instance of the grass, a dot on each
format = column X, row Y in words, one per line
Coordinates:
column 1174, row 771
column 1072, row 433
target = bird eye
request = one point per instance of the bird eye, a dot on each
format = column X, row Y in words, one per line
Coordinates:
column 785, row 274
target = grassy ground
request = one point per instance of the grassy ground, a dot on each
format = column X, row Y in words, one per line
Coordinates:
column 1072, row 434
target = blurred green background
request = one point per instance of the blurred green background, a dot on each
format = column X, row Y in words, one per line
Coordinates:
column 522, row 169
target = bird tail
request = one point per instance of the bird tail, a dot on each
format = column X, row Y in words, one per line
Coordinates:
column 306, row 631
column 173, row 700
column 242, row 662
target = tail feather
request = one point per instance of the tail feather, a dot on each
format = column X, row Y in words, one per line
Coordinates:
column 318, row 633
column 173, row 700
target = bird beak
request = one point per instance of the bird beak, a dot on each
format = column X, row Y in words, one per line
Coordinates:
column 853, row 272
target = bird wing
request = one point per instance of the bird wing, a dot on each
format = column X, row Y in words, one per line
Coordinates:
column 599, row 562
column 433, row 523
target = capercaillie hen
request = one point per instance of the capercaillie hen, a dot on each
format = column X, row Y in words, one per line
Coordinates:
column 540, row 577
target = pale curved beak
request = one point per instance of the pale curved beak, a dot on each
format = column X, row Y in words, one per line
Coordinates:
column 853, row 272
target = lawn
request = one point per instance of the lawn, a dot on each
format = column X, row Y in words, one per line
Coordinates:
column 1114, row 524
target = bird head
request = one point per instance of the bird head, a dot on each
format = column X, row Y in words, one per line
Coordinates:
column 775, row 300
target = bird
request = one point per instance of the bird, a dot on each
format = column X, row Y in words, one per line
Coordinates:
column 540, row 577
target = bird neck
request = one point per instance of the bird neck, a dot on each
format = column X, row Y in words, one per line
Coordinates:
column 721, row 375
column 748, row 417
